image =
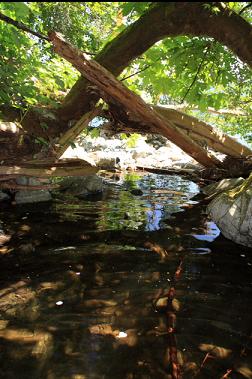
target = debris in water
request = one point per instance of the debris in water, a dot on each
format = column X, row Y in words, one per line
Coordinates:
column 122, row 335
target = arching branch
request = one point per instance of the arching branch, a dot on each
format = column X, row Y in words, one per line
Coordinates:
column 245, row 8
column 168, row 19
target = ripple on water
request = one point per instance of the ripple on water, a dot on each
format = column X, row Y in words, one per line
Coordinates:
column 87, row 311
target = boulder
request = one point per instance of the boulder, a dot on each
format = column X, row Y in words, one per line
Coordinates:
column 4, row 196
column 25, row 197
column 32, row 196
column 231, row 211
column 223, row 185
column 30, row 181
column 82, row 186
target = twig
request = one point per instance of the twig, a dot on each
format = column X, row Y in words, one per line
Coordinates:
column 138, row 72
column 243, row 9
column 226, row 375
column 22, row 26
column 207, row 356
column 135, row 73
column 197, row 73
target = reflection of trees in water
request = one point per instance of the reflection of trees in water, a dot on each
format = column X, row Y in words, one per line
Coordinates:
column 108, row 288
column 146, row 212
column 125, row 212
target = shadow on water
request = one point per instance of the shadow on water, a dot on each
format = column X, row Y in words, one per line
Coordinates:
column 79, row 291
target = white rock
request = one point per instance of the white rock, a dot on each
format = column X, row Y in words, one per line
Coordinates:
column 222, row 185
column 234, row 216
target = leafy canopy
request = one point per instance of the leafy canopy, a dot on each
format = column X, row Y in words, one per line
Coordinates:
column 196, row 71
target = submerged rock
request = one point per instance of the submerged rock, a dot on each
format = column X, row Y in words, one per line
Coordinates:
column 25, row 197
column 82, row 186
column 136, row 192
column 4, row 196
column 232, row 210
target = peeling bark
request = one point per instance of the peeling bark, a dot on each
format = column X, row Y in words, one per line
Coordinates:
column 49, row 168
column 205, row 133
column 168, row 19
column 113, row 91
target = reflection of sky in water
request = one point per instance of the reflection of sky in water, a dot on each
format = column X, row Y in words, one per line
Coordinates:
column 201, row 250
column 162, row 196
column 162, row 204
column 154, row 216
column 211, row 232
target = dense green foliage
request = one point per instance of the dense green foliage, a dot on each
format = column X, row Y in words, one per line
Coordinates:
column 30, row 73
column 196, row 71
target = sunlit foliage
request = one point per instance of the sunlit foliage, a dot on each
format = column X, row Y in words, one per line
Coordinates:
column 196, row 71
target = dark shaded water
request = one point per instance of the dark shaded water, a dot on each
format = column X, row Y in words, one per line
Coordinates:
column 79, row 294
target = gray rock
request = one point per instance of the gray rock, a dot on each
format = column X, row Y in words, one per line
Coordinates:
column 233, row 216
column 223, row 185
column 187, row 165
column 82, row 185
column 25, row 197
column 4, row 196
column 30, row 181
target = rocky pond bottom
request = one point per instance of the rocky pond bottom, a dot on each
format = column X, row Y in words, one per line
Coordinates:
column 132, row 284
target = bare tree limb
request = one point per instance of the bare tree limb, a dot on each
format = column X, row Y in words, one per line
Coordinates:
column 135, row 73
column 129, row 104
column 246, row 7
column 197, row 73
column 22, row 26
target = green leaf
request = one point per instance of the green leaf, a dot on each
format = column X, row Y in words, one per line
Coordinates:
column 41, row 141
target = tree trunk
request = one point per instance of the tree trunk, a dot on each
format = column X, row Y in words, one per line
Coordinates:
column 168, row 19
column 113, row 91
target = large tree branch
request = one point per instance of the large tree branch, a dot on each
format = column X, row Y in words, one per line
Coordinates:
column 114, row 92
column 21, row 26
column 168, row 19
column 162, row 20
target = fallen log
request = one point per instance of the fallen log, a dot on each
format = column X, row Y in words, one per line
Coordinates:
column 48, row 168
column 14, row 186
column 72, row 133
column 205, row 133
column 113, row 91
column 189, row 173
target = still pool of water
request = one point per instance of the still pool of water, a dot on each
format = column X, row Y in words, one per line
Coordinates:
column 80, row 294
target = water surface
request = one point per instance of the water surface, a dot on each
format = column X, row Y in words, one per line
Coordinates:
column 78, row 296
